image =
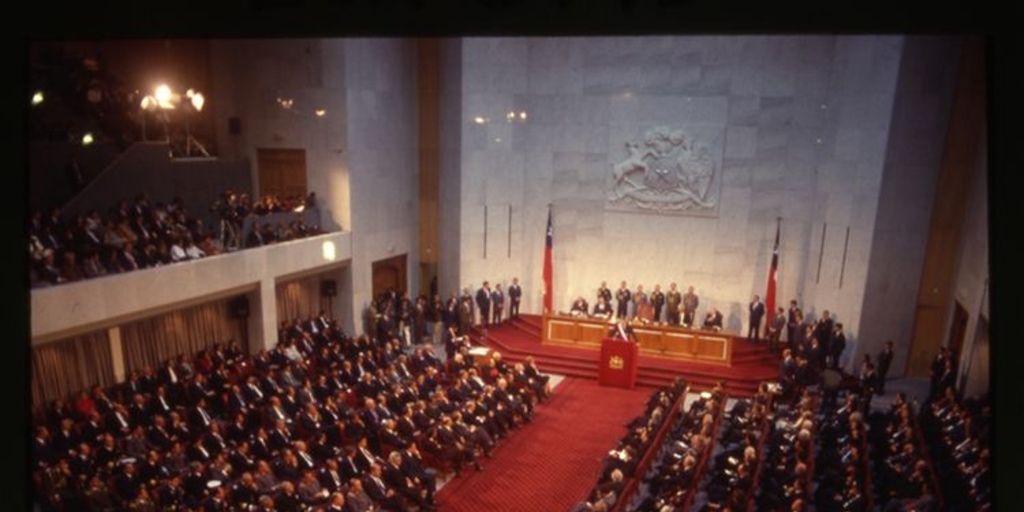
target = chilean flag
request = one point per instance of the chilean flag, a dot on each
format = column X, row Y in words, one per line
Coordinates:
column 773, row 277
column 548, row 281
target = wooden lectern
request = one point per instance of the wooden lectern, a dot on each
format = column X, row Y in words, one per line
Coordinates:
column 618, row 363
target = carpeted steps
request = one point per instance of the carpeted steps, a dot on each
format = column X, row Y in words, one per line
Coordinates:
column 519, row 338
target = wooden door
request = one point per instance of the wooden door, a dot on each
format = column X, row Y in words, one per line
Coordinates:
column 389, row 274
column 282, row 172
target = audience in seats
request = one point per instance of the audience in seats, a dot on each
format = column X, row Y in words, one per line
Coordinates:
column 134, row 236
column 732, row 477
column 281, row 430
column 622, row 462
column 785, row 478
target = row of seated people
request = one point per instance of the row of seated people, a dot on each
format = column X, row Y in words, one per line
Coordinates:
column 958, row 433
column 904, row 476
column 233, row 210
column 622, row 462
column 671, row 482
column 734, row 470
column 130, row 236
column 279, row 412
column 785, row 480
column 842, row 466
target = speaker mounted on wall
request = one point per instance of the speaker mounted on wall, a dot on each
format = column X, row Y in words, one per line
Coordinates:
column 239, row 308
column 328, row 288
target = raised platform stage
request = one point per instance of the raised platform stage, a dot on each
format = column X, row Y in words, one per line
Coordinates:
column 519, row 338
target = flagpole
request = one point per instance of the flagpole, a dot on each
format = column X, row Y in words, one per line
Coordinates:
column 548, row 265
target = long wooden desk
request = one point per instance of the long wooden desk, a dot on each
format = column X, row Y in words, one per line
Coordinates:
column 655, row 340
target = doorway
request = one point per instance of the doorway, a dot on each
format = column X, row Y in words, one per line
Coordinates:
column 390, row 274
column 282, row 172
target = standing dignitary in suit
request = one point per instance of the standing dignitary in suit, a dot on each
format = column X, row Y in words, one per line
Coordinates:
column 690, row 303
column 657, row 299
column 622, row 297
column 515, row 294
column 775, row 328
column 497, row 304
column 884, row 361
column 605, row 292
column 465, row 316
column 756, row 314
column 836, row 346
column 673, row 300
column 793, row 321
column 483, row 301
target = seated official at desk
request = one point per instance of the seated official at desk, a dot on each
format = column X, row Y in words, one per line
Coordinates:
column 603, row 309
column 713, row 320
column 579, row 307
column 622, row 331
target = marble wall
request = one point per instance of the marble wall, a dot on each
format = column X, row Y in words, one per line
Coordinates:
column 449, row 166
column 797, row 126
column 249, row 78
column 913, row 159
column 381, row 116
column 360, row 155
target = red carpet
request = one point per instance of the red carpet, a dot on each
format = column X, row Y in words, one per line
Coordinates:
column 550, row 464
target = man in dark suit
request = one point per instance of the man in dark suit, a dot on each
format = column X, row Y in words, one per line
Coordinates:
column 673, row 299
column 823, row 331
column 690, row 303
column 622, row 298
column 778, row 323
column 483, row 301
column 756, row 314
column 713, row 320
column 379, row 491
column 497, row 304
column 465, row 315
column 515, row 295
column 622, row 331
column 792, row 322
column 658, row 302
column 884, row 362
column 837, row 345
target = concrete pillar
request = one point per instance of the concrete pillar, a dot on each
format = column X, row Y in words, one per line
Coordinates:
column 263, row 317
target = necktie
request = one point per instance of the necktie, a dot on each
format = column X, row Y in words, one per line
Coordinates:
column 307, row 459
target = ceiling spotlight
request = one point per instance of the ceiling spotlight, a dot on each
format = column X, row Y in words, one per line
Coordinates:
column 87, row 139
column 37, row 98
column 479, row 120
column 197, row 101
column 189, row 93
column 320, row 112
column 522, row 115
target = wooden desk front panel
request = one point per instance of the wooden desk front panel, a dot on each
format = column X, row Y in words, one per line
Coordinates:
column 656, row 340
